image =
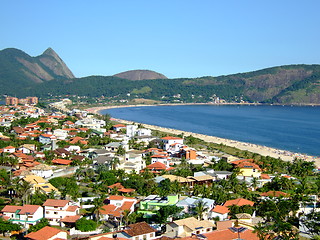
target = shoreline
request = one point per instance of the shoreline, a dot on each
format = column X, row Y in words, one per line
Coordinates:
column 255, row 148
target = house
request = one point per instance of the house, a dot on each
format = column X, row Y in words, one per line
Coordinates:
column 118, row 127
column 273, row 194
column 113, row 146
column 189, row 204
column 162, row 158
column 48, row 233
column 151, row 204
column 181, row 180
column 158, row 167
column 247, row 168
column 60, row 134
column 137, row 231
column 42, row 170
column 172, row 143
column 116, row 207
column 28, row 148
column 26, row 215
column 187, row 227
column 203, row 180
column 56, row 210
column 9, row 149
column 46, row 138
column 220, row 212
column 61, row 152
column 38, row 183
column 59, row 161
column 238, row 202
column 120, row 188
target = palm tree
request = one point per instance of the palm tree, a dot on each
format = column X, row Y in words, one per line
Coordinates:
column 200, row 208
column 114, row 163
column 98, row 203
column 125, row 217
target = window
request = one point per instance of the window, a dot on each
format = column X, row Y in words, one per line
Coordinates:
column 55, row 212
column 47, row 212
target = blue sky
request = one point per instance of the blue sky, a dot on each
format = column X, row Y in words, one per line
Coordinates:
column 178, row 38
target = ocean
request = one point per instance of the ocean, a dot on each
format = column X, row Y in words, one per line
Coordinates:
column 291, row 128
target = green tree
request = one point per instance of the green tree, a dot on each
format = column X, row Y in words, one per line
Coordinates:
column 43, row 222
column 312, row 222
column 86, row 225
column 6, row 226
column 200, row 208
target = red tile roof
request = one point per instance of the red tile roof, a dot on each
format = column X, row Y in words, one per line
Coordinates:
column 62, row 161
column 171, row 138
column 220, row 209
column 118, row 125
column 157, row 165
column 238, row 202
column 70, row 219
column 274, row 194
column 116, row 185
column 115, row 197
column 44, row 233
column 138, row 229
column 248, row 165
column 241, row 160
column 229, row 235
column 56, row 203
column 30, row 209
column 265, row 176
column 72, row 208
column 107, row 209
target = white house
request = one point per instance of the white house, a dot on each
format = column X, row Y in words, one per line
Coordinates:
column 46, row 138
column 220, row 212
column 116, row 207
column 42, row 170
column 131, row 130
column 161, row 158
column 60, row 134
column 26, row 215
column 55, row 210
column 9, row 149
column 132, row 161
column 73, row 148
column 172, row 143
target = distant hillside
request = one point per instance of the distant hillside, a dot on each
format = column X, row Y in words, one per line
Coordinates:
column 18, row 69
column 140, row 75
column 47, row 74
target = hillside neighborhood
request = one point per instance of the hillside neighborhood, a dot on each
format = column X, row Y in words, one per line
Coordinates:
column 71, row 174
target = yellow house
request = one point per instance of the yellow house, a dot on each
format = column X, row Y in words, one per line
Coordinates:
column 39, row 183
column 249, row 169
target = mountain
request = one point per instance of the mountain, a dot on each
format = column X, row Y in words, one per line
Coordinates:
column 140, row 75
column 18, row 69
column 47, row 74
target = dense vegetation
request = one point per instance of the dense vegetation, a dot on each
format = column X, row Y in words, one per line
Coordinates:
column 292, row 84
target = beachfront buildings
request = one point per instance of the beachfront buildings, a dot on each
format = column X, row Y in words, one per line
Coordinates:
column 172, row 144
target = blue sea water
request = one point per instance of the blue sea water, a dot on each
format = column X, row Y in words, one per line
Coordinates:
column 292, row 128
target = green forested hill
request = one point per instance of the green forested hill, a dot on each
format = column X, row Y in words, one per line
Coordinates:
column 22, row 75
column 285, row 85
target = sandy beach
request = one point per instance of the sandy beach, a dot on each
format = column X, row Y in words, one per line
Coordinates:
column 262, row 150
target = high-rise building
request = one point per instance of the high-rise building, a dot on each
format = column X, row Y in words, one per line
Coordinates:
column 12, row 101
